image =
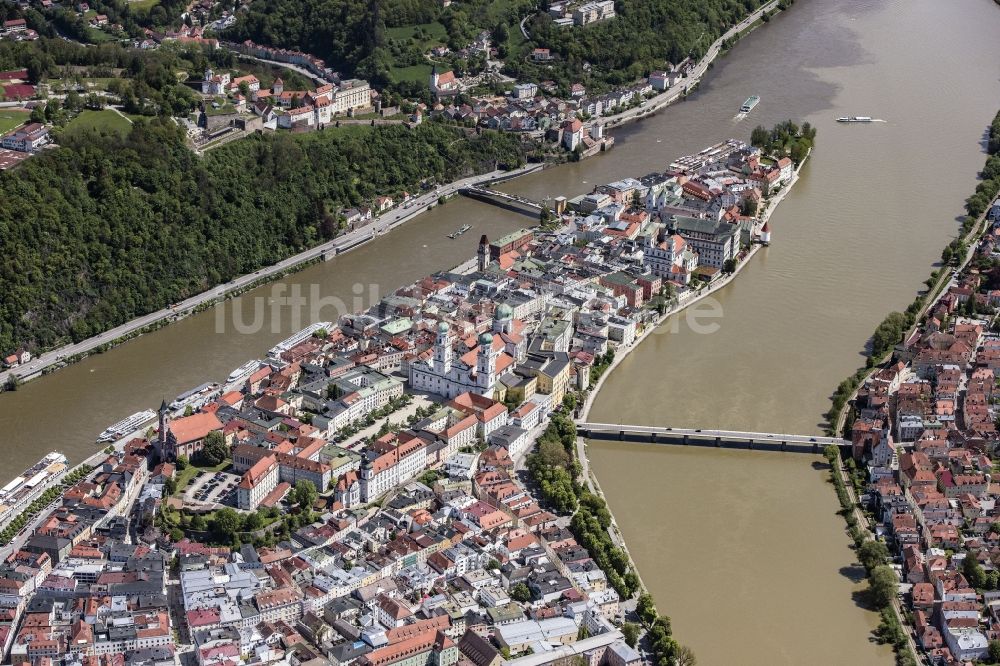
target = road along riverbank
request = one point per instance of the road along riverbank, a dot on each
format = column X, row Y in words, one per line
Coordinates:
column 55, row 359
column 694, row 76
column 689, row 299
column 686, row 301
column 756, row 530
column 897, row 627
column 60, row 357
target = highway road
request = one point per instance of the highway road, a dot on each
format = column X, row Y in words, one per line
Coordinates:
column 379, row 226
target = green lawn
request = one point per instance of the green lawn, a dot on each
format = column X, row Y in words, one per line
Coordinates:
column 515, row 40
column 496, row 10
column 11, row 118
column 418, row 73
column 220, row 111
column 434, row 34
column 142, row 5
column 102, row 121
column 353, row 130
column 97, row 36
column 98, row 83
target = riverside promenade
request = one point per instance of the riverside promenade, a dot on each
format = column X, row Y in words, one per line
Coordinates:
column 677, row 92
column 688, row 299
column 55, row 358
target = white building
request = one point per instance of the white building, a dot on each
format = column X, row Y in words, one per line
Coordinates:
column 257, row 482
column 26, row 139
column 883, row 452
column 215, row 84
column 671, row 258
column 303, row 116
column 716, row 241
column 966, row 644
column 381, row 473
column 477, row 371
column 364, row 390
column 524, row 91
column 351, row 95
column 594, row 11
column 621, row 330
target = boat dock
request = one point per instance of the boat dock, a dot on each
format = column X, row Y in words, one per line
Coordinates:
column 30, row 485
column 289, row 342
column 719, row 151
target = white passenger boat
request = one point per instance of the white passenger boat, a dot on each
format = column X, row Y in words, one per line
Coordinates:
column 125, row 426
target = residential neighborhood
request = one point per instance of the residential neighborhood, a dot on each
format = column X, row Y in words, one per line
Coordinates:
column 923, row 443
column 359, row 495
column 535, row 108
column 466, row 86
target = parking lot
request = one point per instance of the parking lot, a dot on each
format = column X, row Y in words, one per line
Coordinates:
column 212, row 489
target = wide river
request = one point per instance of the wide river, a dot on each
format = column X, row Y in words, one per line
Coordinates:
column 744, row 551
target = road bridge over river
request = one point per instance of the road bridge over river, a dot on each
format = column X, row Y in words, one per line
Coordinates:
column 725, row 439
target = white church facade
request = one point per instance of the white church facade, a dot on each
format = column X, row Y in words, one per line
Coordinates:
column 478, row 370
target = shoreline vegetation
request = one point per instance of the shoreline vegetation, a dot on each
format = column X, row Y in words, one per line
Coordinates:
column 556, row 468
column 387, row 42
column 113, row 228
column 562, row 472
column 872, row 553
column 9, row 321
column 955, row 256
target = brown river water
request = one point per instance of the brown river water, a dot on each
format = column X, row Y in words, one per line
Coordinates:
column 743, row 550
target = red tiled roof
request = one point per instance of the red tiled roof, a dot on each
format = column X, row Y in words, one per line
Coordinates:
column 192, row 428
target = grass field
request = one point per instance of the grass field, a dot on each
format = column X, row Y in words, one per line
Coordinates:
column 102, row 121
column 350, row 130
column 142, row 5
column 11, row 118
column 431, row 35
column 418, row 73
column 436, row 34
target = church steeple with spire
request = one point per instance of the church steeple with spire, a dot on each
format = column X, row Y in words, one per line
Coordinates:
column 483, row 254
column 164, row 424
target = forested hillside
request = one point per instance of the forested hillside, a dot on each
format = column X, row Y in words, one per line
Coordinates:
column 644, row 35
column 62, row 19
column 355, row 36
column 342, row 32
column 108, row 227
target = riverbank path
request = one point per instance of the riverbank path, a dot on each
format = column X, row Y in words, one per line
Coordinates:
column 694, row 76
column 381, row 225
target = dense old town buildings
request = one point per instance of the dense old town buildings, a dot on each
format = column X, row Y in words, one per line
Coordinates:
column 366, row 509
column 926, row 433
